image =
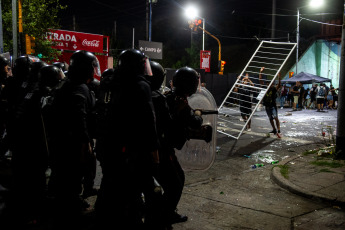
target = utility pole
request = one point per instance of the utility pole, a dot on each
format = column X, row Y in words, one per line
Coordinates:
column 14, row 29
column 147, row 20
column 20, row 26
column 74, row 22
column 115, row 30
column 273, row 19
column 150, row 24
column 1, row 32
column 133, row 38
column 340, row 136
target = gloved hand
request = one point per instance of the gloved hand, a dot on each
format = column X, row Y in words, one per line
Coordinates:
column 197, row 113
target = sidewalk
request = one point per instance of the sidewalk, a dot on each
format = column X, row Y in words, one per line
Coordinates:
column 312, row 176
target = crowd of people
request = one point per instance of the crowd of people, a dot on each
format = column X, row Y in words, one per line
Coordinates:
column 318, row 97
column 59, row 118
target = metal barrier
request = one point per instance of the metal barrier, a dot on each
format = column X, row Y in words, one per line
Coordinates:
column 245, row 96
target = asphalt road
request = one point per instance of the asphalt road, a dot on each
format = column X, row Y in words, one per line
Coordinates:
column 232, row 195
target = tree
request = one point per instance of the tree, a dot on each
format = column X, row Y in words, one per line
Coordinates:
column 38, row 17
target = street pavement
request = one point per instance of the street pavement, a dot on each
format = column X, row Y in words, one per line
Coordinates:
column 310, row 194
column 233, row 195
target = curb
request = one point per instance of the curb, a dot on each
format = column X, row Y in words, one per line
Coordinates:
column 286, row 184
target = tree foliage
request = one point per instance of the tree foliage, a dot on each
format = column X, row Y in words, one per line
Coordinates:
column 38, row 17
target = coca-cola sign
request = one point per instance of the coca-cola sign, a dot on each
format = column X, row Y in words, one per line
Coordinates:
column 93, row 43
column 70, row 40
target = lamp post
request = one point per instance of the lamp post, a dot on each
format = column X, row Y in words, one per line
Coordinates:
column 313, row 3
column 192, row 13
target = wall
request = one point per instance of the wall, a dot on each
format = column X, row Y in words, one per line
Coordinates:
column 322, row 58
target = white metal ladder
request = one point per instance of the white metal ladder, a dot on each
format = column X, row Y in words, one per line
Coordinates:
column 272, row 56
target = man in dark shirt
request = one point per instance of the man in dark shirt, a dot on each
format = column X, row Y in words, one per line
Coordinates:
column 269, row 102
column 295, row 93
column 312, row 96
column 301, row 96
column 245, row 99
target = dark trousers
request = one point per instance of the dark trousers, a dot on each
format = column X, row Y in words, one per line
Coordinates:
column 172, row 179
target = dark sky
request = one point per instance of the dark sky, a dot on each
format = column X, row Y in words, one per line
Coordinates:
column 234, row 22
column 98, row 16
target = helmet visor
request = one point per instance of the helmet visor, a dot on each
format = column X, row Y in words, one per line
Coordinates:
column 62, row 75
column 148, row 70
column 96, row 67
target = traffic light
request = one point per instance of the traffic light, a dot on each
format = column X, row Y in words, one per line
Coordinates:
column 291, row 74
column 191, row 24
column 221, row 67
column 29, row 44
column 194, row 24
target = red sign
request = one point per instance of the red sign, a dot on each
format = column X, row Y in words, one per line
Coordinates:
column 70, row 40
column 205, row 60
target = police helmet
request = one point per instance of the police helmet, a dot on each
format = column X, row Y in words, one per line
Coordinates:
column 22, row 67
column 50, row 76
column 185, row 81
column 158, row 75
column 107, row 73
column 35, row 68
column 133, row 62
column 83, row 66
column 61, row 65
column 3, row 62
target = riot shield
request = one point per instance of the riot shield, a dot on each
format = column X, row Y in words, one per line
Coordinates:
column 198, row 153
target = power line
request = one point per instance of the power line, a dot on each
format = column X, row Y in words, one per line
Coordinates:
column 324, row 23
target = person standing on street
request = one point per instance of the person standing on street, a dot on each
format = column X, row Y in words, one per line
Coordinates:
column 71, row 142
column 300, row 96
column 320, row 97
column 295, row 93
column 186, row 82
column 129, row 145
column 283, row 95
column 269, row 102
column 168, row 176
column 245, row 99
column 312, row 93
column 4, row 69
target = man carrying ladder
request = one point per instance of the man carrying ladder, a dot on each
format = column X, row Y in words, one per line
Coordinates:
column 269, row 101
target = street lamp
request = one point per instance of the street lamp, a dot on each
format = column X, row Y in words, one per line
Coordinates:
column 192, row 13
column 313, row 3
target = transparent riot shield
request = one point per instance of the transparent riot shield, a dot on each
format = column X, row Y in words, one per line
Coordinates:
column 199, row 154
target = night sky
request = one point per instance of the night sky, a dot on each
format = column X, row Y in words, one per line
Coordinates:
column 234, row 22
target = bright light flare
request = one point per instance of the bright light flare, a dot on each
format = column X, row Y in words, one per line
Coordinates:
column 316, row 3
column 191, row 12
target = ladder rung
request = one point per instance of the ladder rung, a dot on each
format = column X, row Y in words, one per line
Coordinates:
column 270, row 58
column 266, row 63
column 271, row 53
column 260, row 67
column 266, row 47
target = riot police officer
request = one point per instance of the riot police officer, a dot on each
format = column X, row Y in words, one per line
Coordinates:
column 130, row 144
column 4, row 68
column 61, row 65
column 72, row 153
column 185, row 84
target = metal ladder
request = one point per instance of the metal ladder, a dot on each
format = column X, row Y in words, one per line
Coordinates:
column 272, row 56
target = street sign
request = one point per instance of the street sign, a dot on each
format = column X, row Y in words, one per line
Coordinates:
column 205, row 59
column 153, row 50
column 71, row 40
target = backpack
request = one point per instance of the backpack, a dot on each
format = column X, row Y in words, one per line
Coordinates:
column 321, row 91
